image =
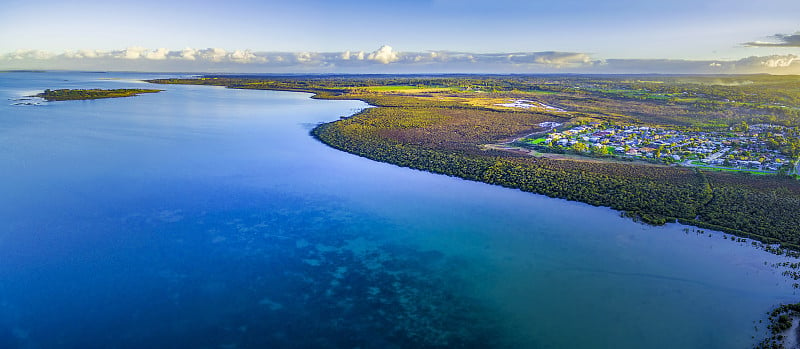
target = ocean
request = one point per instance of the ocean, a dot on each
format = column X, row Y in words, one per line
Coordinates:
column 205, row 217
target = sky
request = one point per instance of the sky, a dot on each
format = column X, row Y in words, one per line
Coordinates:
column 502, row 36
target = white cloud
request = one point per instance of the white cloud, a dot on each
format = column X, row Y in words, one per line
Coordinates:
column 384, row 55
column 84, row 54
column 777, row 64
column 160, row 53
column 23, row 55
column 347, row 55
column 384, row 59
column 213, row 54
column 188, row 54
column 304, row 57
column 246, row 56
column 132, row 53
column 780, row 61
column 561, row 59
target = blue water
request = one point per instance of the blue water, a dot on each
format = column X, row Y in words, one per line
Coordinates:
column 205, row 217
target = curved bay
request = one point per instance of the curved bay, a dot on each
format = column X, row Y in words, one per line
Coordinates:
column 208, row 217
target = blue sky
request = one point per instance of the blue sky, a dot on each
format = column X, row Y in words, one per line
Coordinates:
column 715, row 33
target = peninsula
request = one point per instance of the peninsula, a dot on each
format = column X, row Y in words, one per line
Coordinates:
column 716, row 152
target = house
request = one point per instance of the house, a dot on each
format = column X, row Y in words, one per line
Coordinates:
column 632, row 152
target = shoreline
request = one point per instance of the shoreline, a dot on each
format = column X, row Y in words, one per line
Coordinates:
column 328, row 93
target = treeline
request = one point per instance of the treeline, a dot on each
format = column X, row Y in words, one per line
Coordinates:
column 758, row 207
column 657, row 194
column 78, row 94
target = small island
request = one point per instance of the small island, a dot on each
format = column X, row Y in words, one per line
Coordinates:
column 78, row 94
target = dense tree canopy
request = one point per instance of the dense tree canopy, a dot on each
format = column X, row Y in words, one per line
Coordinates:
column 68, row 95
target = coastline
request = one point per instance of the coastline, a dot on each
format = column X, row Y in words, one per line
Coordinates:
column 484, row 162
column 320, row 131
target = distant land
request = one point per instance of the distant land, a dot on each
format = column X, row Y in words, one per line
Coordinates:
column 79, row 94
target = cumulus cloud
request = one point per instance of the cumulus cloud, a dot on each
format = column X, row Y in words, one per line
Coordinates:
column 129, row 53
column 384, row 55
column 25, row 55
column 160, row 53
column 83, row 54
column 774, row 64
column 385, row 60
column 347, row 55
column 560, row 59
column 780, row 61
column 771, row 63
column 304, row 57
column 188, row 54
column 245, row 56
column 213, row 54
column 522, row 60
column 783, row 40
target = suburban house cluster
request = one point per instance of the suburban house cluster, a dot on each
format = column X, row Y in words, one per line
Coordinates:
column 744, row 149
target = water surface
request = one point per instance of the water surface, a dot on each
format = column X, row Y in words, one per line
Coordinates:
column 208, row 217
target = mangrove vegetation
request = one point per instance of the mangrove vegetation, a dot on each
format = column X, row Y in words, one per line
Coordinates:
column 81, row 94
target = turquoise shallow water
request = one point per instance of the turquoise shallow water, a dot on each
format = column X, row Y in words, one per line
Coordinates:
column 207, row 217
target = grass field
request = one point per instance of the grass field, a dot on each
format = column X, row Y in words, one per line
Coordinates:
column 408, row 89
column 719, row 169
